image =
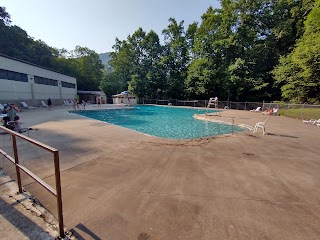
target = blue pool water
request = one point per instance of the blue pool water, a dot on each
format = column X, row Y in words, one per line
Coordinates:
column 165, row 122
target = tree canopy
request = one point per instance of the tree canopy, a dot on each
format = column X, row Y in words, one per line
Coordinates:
column 247, row 50
column 298, row 73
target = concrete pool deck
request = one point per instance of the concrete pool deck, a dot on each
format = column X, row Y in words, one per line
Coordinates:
column 120, row 184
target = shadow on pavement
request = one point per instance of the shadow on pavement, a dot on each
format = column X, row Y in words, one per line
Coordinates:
column 86, row 230
column 281, row 135
column 22, row 223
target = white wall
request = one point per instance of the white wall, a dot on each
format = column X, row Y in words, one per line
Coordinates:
column 21, row 67
column 125, row 99
column 13, row 90
column 16, row 90
column 68, row 93
column 45, row 92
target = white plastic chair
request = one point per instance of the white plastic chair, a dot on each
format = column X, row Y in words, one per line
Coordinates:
column 1, row 107
column 312, row 121
column 261, row 125
column 275, row 111
column 69, row 103
column 256, row 110
column 43, row 104
column 26, row 106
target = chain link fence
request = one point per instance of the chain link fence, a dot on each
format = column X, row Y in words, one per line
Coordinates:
column 301, row 111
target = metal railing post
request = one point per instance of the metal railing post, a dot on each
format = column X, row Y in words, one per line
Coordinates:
column 58, row 190
column 302, row 111
column 232, row 124
column 16, row 160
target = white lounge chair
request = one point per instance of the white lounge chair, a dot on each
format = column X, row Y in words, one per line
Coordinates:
column 67, row 103
column 256, row 110
column 43, row 104
column 312, row 121
column 26, row 106
column 71, row 103
column 275, row 112
column 261, row 125
column 1, row 107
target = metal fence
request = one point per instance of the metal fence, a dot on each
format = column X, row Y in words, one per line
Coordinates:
column 202, row 103
column 303, row 111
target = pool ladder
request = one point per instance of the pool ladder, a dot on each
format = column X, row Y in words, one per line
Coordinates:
column 232, row 120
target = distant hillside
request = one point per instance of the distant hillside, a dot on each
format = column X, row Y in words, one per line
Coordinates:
column 105, row 58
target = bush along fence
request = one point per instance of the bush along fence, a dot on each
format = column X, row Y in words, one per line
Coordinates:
column 301, row 111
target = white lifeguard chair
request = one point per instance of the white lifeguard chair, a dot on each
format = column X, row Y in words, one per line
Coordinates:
column 213, row 102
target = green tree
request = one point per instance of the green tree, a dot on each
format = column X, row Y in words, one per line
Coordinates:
column 136, row 63
column 122, row 61
column 82, row 63
column 154, row 72
column 111, row 83
column 213, row 51
column 288, row 19
column 5, row 17
column 298, row 73
column 200, row 75
column 175, row 59
column 89, row 72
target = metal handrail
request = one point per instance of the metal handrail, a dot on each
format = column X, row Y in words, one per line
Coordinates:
column 15, row 160
column 225, row 122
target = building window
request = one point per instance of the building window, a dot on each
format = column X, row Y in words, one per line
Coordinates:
column 45, row 81
column 15, row 76
column 67, row 85
column 3, row 74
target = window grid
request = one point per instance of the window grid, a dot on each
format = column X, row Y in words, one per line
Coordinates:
column 45, row 81
column 15, row 76
column 67, row 85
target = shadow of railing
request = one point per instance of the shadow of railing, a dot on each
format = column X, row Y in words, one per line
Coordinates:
column 21, row 223
column 86, row 230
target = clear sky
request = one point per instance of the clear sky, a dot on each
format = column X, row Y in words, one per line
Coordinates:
column 96, row 23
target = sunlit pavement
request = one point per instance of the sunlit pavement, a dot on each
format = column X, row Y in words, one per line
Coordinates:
column 120, row 184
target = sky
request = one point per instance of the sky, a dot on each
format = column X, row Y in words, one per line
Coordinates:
column 97, row 23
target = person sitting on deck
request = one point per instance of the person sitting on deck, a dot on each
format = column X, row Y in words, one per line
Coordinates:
column 269, row 111
column 15, row 125
column 6, row 123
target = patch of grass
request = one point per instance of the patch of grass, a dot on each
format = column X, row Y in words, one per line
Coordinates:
column 306, row 113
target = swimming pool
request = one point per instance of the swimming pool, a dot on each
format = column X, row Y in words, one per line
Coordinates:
column 160, row 121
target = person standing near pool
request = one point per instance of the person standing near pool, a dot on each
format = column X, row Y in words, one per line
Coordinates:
column 49, row 103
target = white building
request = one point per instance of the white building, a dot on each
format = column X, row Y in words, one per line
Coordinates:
column 23, row 81
column 92, row 96
column 125, row 98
